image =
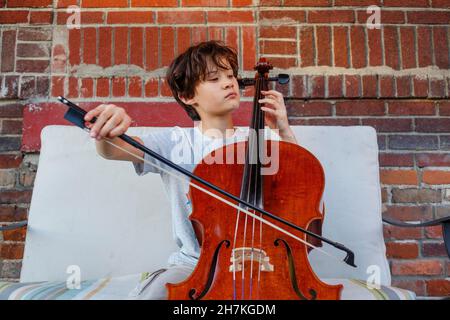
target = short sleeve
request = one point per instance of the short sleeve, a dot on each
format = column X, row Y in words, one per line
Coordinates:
column 159, row 141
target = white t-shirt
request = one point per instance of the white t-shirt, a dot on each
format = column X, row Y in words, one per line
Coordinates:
column 185, row 147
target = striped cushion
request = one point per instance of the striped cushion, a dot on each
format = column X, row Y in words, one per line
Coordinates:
column 118, row 288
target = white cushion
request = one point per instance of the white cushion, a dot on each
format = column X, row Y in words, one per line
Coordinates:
column 99, row 215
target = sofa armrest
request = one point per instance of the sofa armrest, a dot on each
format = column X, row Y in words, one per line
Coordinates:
column 445, row 221
column 14, row 226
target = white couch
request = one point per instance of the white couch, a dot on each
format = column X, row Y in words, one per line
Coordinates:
column 100, row 217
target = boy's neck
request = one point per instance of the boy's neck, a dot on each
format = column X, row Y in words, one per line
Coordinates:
column 218, row 127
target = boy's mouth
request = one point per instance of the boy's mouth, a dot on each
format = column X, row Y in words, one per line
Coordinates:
column 231, row 95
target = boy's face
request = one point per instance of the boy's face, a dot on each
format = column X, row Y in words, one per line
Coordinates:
column 212, row 96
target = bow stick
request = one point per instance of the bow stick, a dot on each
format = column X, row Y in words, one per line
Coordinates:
column 75, row 115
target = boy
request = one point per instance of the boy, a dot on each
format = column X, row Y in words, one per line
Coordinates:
column 203, row 81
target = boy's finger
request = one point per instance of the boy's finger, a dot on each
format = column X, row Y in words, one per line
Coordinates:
column 94, row 112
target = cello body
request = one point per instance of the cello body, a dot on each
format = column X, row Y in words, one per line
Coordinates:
column 267, row 264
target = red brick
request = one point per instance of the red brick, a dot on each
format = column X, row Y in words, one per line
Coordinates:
column 230, row 17
column 307, row 3
column 13, row 213
column 12, row 126
column 433, row 232
column 130, row 17
column 15, row 235
column 331, row 16
column 444, row 108
column 11, row 250
column 27, row 87
column 105, row 46
column 402, row 250
column 155, row 3
column 18, row 17
column 66, row 3
column 441, row 46
column 333, row 122
column 41, row 17
column 408, row 52
column 151, row 48
column 428, row 17
column 34, row 66
column 434, row 249
column 388, row 124
column 375, row 47
column 29, row 3
column 105, row 3
column 31, row 50
column 151, row 88
column 9, row 161
column 356, row 2
column 335, row 86
column 386, row 86
column 35, row 34
column 135, row 87
column 416, row 195
column 11, row 87
column 386, row 17
column 420, row 267
column 184, row 17
column 299, row 87
column 433, row 125
column 396, row 159
column 324, row 45
column 406, row 3
column 121, row 45
column 15, row 197
column 118, row 87
column 399, row 177
column 417, row 286
column 391, row 47
column 438, row 287
column 358, row 47
column 317, row 86
column 440, row 4
column 215, row 33
column 299, row 108
column 87, row 88
column 168, row 45
column 277, row 32
column 73, row 88
column 103, row 87
column 404, row 108
column 424, row 46
column 359, row 108
column 306, row 46
column 420, row 86
column 341, row 45
column 431, row 177
column 89, row 45
column 437, row 87
column 87, row 17
column 352, row 86
column 265, row 17
column 432, row 160
column 137, row 47
column 205, row 3
column 249, row 48
column 184, row 38
column 370, row 86
column 74, row 46
column 8, row 50
column 278, row 47
column 409, row 213
column 57, row 88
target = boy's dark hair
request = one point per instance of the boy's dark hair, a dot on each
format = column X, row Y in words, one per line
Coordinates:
column 190, row 67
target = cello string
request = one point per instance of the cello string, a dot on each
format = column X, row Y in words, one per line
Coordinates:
column 184, row 179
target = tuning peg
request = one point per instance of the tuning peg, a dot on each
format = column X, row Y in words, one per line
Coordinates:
column 282, row 78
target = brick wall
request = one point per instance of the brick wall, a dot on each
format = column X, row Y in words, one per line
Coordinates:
column 394, row 78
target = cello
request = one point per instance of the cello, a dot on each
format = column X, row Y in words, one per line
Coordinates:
column 269, row 265
column 240, row 258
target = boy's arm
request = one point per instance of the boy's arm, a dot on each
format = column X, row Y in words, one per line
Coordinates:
column 288, row 135
column 110, row 152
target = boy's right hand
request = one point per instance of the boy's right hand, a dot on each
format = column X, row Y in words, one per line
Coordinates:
column 112, row 121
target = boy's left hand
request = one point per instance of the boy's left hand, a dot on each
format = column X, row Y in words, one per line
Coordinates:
column 275, row 110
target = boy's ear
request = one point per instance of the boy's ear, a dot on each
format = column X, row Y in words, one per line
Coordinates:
column 189, row 102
